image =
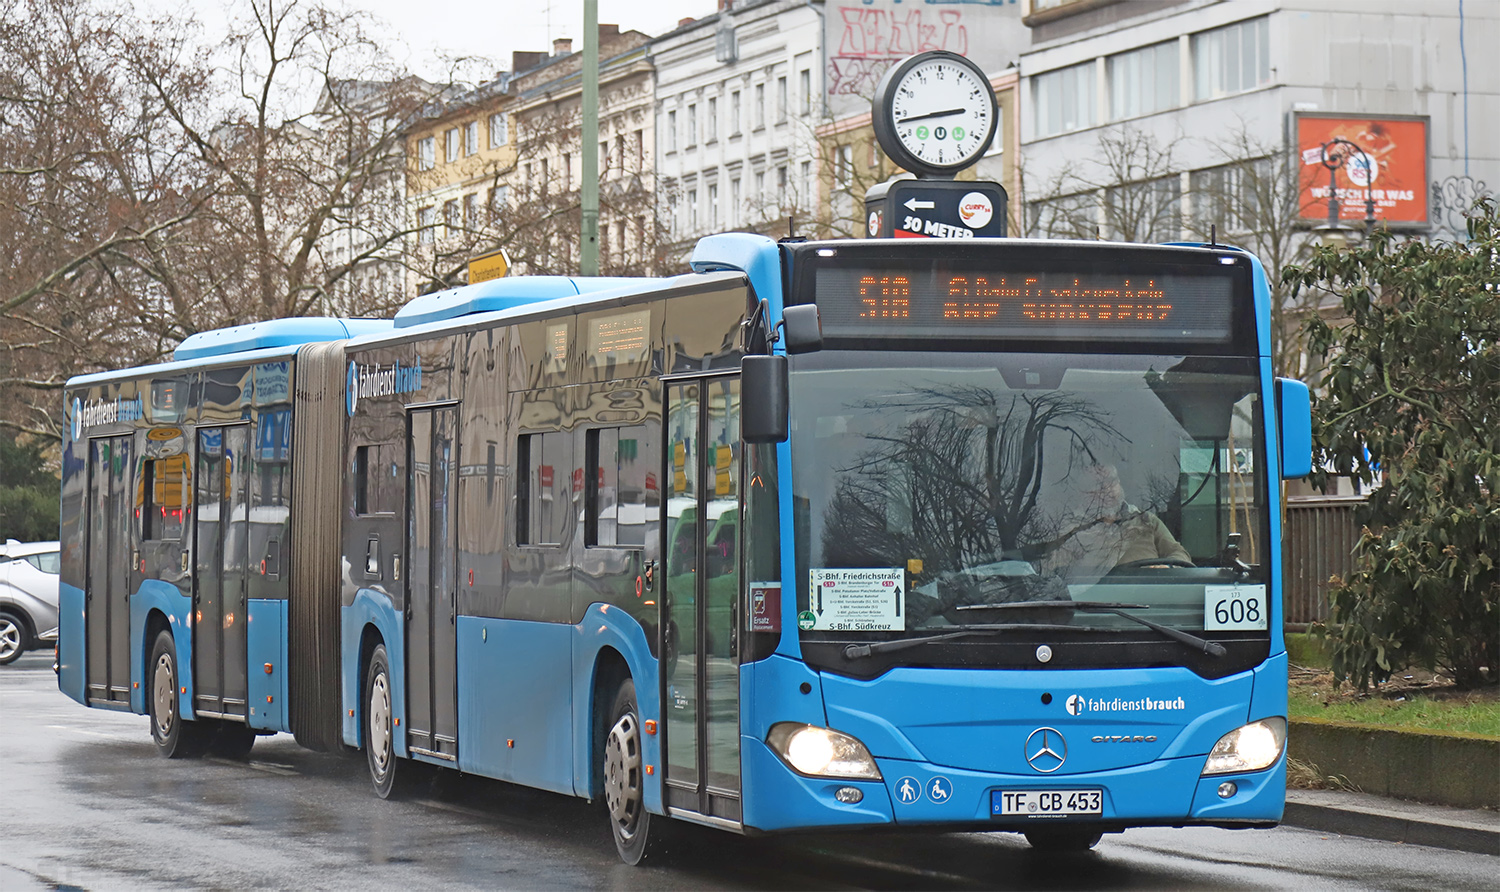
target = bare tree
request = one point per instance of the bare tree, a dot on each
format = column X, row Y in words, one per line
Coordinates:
column 95, row 183
column 1127, row 189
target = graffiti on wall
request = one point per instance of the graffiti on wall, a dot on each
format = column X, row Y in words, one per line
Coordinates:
column 1452, row 202
column 872, row 38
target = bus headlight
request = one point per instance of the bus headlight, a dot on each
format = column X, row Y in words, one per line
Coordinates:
column 1249, row 748
column 821, row 752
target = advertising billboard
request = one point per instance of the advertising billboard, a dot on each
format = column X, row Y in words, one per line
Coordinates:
column 1383, row 159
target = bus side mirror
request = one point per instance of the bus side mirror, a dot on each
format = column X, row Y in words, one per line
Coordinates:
column 802, row 329
column 764, row 399
column 1294, row 422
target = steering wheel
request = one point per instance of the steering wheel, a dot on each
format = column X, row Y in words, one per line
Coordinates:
column 1154, row 562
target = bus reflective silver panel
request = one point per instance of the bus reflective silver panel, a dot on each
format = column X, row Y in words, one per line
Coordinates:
column 764, row 399
column 1252, row 747
column 821, row 752
column 802, row 329
column 1294, row 418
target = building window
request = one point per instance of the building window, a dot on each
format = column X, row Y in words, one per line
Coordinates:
column 781, row 100
column 471, row 137
column 450, row 140
column 672, row 131
column 426, row 217
column 807, row 190
column 734, row 203
column 567, row 172
column 734, row 113
column 843, row 167
column 692, row 202
column 713, row 120
column 760, row 106
column 1143, row 81
column 471, row 210
column 450, row 216
column 620, row 152
column 1232, row 59
column 499, row 195
column 426, row 153
column 1065, row 99
column 692, row 125
column 499, row 131
column 640, row 150
column 805, row 85
column 713, row 206
column 781, row 180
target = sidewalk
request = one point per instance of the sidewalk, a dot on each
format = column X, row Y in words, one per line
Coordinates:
column 1376, row 817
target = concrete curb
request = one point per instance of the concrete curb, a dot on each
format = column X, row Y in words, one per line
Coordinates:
column 1375, row 817
column 1450, row 769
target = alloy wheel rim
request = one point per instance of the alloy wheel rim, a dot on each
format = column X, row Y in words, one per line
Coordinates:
column 10, row 639
column 161, row 690
column 622, row 776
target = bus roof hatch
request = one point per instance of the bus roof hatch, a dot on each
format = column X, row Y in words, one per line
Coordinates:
column 504, row 294
column 275, row 333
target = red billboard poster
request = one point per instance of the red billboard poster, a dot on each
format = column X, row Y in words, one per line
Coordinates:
column 1382, row 159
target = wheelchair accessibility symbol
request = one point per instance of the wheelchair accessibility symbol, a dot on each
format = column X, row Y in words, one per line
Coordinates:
column 908, row 790
column 939, row 790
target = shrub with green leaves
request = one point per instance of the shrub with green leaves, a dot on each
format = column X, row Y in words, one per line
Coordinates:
column 1410, row 405
column 28, row 493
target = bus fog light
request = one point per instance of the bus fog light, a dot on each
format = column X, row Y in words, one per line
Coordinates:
column 1228, row 789
column 821, row 752
column 1251, row 747
column 848, row 795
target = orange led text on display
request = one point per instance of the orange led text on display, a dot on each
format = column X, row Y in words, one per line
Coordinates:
column 885, row 297
column 982, row 301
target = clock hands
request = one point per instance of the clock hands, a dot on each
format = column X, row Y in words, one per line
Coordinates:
column 937, row 114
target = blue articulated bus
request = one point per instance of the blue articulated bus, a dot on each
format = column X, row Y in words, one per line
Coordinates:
column 919, row 534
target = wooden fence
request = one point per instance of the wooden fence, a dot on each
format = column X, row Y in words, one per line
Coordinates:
column 1318, row 535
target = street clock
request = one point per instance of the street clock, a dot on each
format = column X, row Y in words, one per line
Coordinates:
column 935, row 114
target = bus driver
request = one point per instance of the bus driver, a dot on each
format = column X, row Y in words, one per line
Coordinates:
column 1114, row 533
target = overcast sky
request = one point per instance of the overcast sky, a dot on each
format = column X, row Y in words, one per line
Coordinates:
column 492, row 28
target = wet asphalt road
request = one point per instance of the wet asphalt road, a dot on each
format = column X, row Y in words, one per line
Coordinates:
column 85, row 803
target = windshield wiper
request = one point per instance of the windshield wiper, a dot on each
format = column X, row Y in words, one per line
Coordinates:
column 857, row 651
column 1212, row 648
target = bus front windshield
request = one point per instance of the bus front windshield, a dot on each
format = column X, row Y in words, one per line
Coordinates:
column 942, row 490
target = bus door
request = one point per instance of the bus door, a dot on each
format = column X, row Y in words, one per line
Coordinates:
column 431, row 593
column 700, row 668
column 221, row 563
column 107, row 604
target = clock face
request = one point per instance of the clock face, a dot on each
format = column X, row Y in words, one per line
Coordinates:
column 940, row 111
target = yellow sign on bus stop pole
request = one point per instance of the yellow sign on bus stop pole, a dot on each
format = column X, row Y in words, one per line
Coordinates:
column 488, row 266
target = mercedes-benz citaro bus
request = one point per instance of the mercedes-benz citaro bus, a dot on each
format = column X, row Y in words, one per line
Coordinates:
column 938, row 534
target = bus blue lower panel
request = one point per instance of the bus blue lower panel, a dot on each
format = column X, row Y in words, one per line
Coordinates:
column 71, row 677
column 155, row 596
column 265, row 646
column 371, row 610
column 515, row 703
column 605, row 628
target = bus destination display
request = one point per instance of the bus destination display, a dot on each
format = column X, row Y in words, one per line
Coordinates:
column 964, row 301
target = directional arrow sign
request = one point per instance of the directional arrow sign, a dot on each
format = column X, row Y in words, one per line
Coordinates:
column 913, row 204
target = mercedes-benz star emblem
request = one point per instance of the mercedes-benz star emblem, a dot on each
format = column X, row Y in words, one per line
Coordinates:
column 1046, row 750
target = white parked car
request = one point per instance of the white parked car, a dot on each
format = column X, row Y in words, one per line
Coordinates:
column 28, row 597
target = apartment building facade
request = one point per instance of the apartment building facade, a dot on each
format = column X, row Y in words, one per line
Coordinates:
column 1164, row 119
column 763, row 106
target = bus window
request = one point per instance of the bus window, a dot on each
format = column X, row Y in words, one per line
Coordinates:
column 542, row 491
column 621, row 504
column 164, row 484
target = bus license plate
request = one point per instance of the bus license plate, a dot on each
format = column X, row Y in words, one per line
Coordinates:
column 1046, row 803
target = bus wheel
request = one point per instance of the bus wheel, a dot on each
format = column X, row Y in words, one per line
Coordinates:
column 380, row 736
column 624, row 782
column 232, row 741
column 175, row 738
column 1063, row 839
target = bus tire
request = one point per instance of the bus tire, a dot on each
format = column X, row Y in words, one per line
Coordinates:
column 175, row 738
column 1064, row 839
column 638, row 835
column 387, row 773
